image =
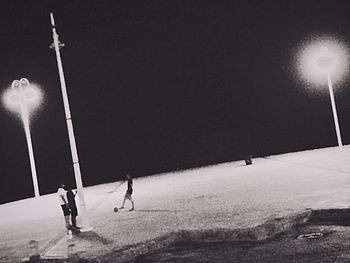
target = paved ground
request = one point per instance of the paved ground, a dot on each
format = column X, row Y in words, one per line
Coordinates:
column 323, row 239
column 332, row 247
column 230, row 195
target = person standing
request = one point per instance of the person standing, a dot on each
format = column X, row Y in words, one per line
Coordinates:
column 72, row 206
column 62, row 198
column 128, row 194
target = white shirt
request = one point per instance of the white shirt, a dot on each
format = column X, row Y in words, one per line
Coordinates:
column 62, row 193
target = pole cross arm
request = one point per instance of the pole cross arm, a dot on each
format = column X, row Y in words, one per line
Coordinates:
column 60, row 45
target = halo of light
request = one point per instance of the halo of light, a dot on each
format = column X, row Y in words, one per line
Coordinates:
column 31, row 95
column 317, row 57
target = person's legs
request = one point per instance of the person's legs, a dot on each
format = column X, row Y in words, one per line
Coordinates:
column 123, row 203
column 66, row 218
column 74, row 214
column 66, row 214
column 132, row 203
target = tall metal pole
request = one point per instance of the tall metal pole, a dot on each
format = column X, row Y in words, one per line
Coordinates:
column 82, row 205
column 25, row 119
column 334, row 109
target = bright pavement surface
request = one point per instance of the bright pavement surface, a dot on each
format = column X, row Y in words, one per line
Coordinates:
column 229, row 195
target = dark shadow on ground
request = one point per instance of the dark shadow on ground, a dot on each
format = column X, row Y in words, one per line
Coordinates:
column 338, row 217
column 93, row 237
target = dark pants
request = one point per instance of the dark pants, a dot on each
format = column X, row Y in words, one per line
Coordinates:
column 65, row 210
column 73, row 211
column 74, row 214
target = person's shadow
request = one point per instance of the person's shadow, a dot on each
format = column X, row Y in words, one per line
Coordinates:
column 93, row 237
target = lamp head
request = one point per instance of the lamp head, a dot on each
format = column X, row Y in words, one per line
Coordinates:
column 15, row 84
column 325, row 59
column 24, row 82
column 324, row 63
column 22, row 93
column 319, row 57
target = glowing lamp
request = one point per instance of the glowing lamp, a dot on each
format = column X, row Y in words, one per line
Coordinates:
column 324, row 61
column 22, row 96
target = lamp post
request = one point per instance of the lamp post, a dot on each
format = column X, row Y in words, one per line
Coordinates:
column 321, row 61
column 74, row 152
column 23, row 98
column 325, row 62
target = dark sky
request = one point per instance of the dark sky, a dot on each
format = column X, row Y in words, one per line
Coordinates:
column 162, row 85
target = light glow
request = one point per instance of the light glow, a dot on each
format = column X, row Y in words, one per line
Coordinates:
column 29, row 95
column 322, row 56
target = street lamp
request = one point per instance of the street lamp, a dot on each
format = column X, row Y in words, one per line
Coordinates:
column 322, row 61
column 23, row 98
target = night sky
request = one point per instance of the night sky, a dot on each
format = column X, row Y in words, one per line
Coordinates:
column 160, row 85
